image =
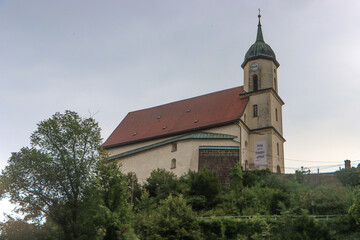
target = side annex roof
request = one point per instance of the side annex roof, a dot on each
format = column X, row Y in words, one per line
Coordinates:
column 200, row 135
column 185, row 116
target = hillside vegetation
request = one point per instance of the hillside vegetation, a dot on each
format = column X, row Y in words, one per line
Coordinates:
column 66, row 188
column 258, row 205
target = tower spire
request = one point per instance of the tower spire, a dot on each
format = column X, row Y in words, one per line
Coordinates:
column 259, row 36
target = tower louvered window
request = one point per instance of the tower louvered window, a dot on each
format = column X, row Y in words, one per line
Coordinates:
column 255, row 82
column 255, row 110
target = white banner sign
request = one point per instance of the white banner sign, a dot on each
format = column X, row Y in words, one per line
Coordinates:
column 260, row 154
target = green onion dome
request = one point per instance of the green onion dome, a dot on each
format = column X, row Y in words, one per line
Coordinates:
column 260, row 49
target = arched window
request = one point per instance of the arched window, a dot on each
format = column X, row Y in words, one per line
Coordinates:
column 276, row 114
column 278, row 169
column 173, row 163
column 174, row 147
column 245, row 118
column 278, row 149
column 255, row 83
column 246, row 165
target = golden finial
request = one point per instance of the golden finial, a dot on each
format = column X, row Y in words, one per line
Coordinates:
column 259, row 16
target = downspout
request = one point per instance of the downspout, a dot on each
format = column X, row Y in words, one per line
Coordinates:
column 240, row 149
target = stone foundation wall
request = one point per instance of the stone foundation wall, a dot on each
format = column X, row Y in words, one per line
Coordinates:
column 219, row 161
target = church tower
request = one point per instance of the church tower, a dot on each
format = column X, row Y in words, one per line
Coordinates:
column 263, row 115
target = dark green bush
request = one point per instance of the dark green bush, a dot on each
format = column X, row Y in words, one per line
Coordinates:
column 202, row 185
column 349, row 177
column 161, row 184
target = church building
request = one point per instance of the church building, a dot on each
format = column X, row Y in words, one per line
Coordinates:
column 214, row 131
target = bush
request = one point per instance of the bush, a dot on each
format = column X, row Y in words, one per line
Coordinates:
column 254, row 177
column 349, row 177
column 161, row 184
column 202, row 186
column 173, row 219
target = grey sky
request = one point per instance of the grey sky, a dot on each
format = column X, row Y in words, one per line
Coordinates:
column 112, row 57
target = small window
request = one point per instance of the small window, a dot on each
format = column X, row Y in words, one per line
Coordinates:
column 274, row 70
column 276, row 114
column 245, row 118
column 246, row 144
column 255, row 110
column 246, row 165
column 174, row 147
column 278, row 149
column 278, row 169
column 173, row 163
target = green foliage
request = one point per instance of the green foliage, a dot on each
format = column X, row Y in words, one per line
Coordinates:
column 17, row 229
column 145, row 204
column 255, row 177
column 349, row 177
column 161, row 184
column 354, row 209
column 110, row 194
column 54, row 173
column 213, row 229
column 344, row 227
column 258, row 227
column 323, row 199
column 31, row 183
column 61, row 178
column 203, row 189
column 305, row 228
column 173, row 219
column 236, row 176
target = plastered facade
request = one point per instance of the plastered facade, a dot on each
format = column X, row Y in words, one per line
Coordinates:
column 266, row 123
column 186, row 156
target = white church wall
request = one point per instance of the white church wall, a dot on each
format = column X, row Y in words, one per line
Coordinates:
column 186, row 155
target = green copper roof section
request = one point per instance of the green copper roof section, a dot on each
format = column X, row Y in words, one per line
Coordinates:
column 260, row 49
column 259, row 35
column 219, row 147
column 200, row 135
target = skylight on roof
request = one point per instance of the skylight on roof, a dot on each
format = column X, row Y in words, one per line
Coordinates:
column 196, row 121
column 164, row 127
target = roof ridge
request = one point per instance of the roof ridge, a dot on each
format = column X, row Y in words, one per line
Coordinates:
column 185, row 99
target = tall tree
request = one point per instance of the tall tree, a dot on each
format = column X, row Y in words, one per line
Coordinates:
column 48, row 179
column 109, row 201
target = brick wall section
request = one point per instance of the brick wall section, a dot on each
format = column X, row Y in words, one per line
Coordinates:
column 219, row 161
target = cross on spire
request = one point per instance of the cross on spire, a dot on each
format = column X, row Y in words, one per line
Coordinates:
column 259, row 16
column 259, row 36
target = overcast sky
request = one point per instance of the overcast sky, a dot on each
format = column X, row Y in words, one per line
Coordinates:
column 114, row 56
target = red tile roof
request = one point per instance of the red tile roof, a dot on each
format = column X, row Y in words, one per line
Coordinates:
column 187, row 115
